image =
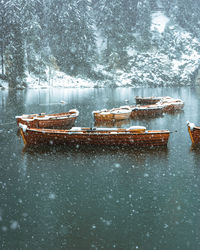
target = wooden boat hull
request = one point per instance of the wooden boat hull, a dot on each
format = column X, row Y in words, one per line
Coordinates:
column 146, row 111
column 122, row 113
column 194, row 133
column 147, row 100
column 61, row 120
column 51, row 123
column 170, row 104
column 139, row 138
column 104, row 116
column 170, row 107
column 121, row 116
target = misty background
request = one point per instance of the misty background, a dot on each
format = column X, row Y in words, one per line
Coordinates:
column 129, row 42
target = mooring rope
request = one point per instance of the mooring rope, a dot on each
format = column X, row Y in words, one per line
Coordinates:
column 179, row 129
column 174, row 131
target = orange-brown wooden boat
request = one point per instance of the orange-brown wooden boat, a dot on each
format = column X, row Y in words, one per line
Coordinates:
column 121, row 113
column 59, row 120
column 194, row 133
column 135, row 136
column 167, row 103
column 146, row 110
column 163, row 104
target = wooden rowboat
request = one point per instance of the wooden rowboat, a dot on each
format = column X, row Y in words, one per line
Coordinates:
column 59, row 120
column 167, row 103
column 135, row 136
column 146, row 110
column 194, row 133
column 163, row 104
column 171, row 104
column 103, row 115
column 147, row 100
column 121, row 113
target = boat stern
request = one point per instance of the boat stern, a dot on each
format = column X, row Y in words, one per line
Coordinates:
column 23, row 129
column 191, row 126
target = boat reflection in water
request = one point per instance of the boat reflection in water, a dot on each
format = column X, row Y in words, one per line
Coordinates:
column 83, row 150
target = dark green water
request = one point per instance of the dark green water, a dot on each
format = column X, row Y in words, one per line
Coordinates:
column 96, row 197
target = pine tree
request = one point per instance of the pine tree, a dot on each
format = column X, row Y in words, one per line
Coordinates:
column 116, row 20
column 143, row 23
column 168, row 6
column 129, row 14
column 187, row 15
column 72, row 40
column 111, row 23
column 14, row 55
column 32, row 34
column 2, row 34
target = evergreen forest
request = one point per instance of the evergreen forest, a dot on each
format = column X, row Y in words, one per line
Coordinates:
column 65, row 35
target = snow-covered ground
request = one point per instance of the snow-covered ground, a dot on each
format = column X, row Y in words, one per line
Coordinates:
column 59, row 79
column 159, row 21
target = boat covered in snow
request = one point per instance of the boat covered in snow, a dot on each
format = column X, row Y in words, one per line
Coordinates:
column 163, row 104
column 135, row 136
column 146, row 110
column 58, row 120
column 170, row 104
column 121, row 113
column 167, row 103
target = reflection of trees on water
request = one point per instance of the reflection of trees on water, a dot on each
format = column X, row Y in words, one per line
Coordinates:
column 16, row 102
column 125, row 154
column 12, row 104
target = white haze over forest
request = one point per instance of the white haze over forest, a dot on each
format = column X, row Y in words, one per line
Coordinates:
column 172, row 58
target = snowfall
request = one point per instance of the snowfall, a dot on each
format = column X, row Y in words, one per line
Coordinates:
column 154, row 67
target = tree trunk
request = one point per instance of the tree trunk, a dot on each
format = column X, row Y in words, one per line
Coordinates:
column 2, row 57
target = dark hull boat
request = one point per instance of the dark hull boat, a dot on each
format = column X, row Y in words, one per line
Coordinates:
column 167, row 103
column 134, row 136
column 58, row 120
column 147, row 100
column 146, row 110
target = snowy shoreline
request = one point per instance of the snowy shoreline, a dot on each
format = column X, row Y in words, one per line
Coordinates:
column 82, row 83
column 173, row 60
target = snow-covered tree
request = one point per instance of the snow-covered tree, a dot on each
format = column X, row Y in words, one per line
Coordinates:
column 35, row 36
column 72, row 37
column 14, row 49
column 116, row 20
column 143, row 23
column 187, row 15
column 2, row 33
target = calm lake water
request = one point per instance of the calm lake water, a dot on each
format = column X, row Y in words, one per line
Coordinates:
column 96, row 197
